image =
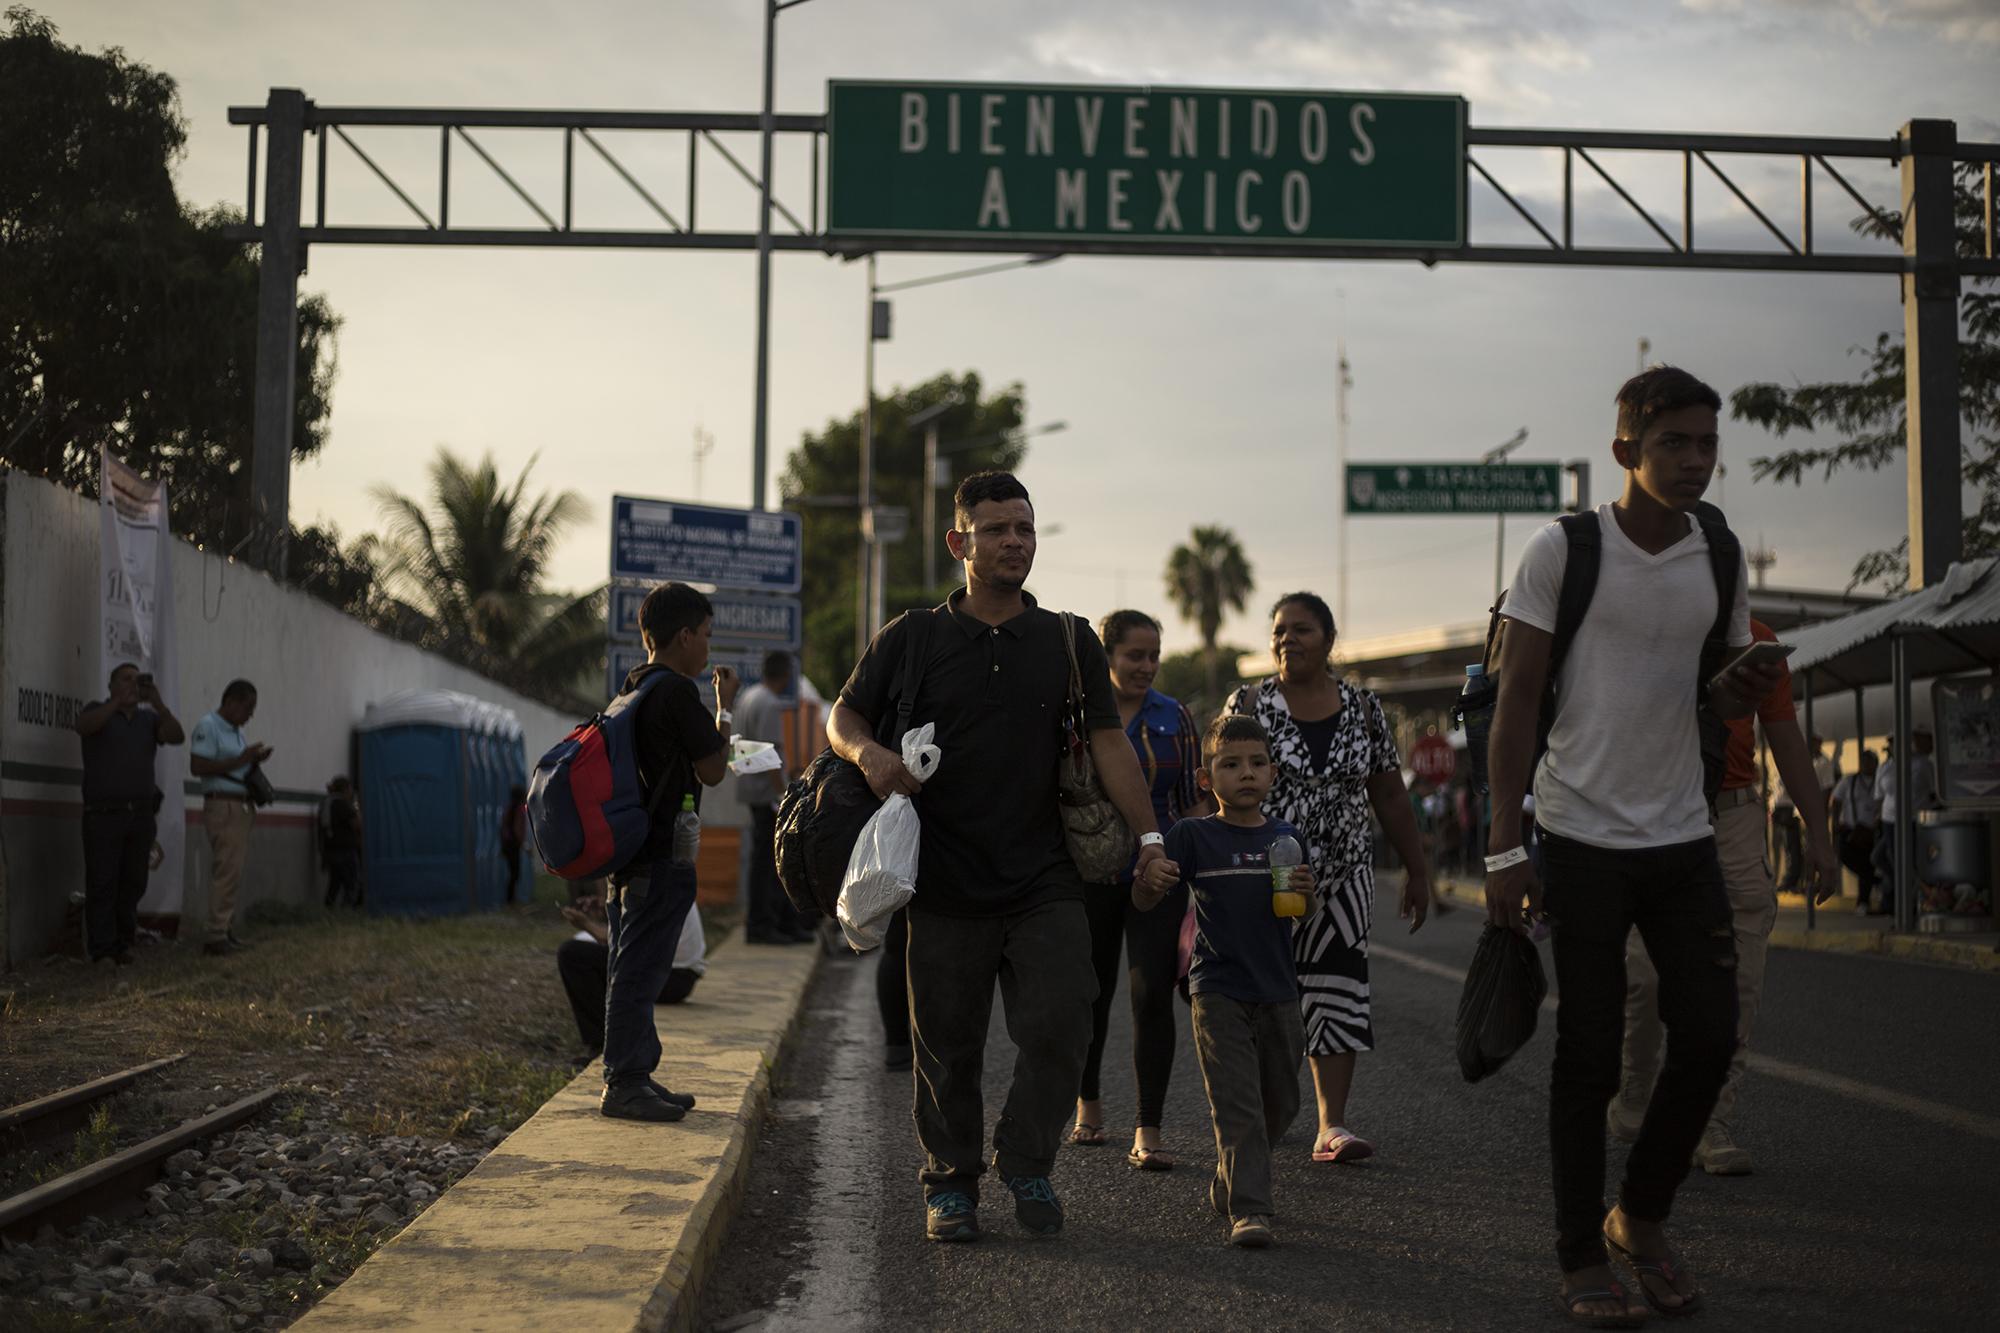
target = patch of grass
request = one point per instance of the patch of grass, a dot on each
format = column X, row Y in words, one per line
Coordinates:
column 468, row 1093
column 97, row 1140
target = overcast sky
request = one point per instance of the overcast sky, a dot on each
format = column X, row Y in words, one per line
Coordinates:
column 1196, row 391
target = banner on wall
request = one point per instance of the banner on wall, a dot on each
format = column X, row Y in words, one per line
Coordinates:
column 136, row 624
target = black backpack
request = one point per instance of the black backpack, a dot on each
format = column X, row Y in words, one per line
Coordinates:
column 821, row 814
column 1725, row 558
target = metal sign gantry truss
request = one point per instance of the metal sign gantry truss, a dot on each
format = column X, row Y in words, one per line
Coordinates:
column 1929, row 261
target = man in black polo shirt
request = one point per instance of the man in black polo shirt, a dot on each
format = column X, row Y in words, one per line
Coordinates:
column 998, row 897
column 120, row 801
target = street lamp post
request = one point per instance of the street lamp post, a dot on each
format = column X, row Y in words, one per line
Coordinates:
column 766, row 125
column 1495, row 455
column 868, row 596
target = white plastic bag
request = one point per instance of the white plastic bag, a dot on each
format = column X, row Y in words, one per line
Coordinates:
column 748, row 757
column 882, row 872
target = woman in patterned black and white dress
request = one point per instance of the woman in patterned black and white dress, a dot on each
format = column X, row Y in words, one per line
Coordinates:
column 1334, row 759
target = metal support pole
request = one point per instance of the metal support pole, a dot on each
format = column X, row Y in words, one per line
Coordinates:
column 760, row 422
column 930, row 509
column 1900, row 877
column 864, row 567
column 1930, row 343
column 282, row 258
column 1824, row 822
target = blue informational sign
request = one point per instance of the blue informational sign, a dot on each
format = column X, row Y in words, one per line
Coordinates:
column 741, row 619
column 747, row 662
column 653, row 541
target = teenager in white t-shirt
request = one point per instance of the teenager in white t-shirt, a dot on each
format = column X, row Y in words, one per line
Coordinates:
column 1625, row 833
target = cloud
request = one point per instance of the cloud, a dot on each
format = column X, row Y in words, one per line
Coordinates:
column 1501, row 59
column 1956, row 20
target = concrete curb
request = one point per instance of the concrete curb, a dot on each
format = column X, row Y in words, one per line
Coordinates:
column 1938, row 949
column 582, row 1224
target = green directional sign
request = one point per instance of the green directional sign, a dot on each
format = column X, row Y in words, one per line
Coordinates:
column 1454, row 488
column 1147, row 165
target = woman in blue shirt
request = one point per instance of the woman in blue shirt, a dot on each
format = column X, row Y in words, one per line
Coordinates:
column 1164, row 735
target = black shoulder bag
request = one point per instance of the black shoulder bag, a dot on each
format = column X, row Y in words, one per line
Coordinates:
column 821, row 814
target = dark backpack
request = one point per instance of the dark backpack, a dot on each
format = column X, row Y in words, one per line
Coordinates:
column 821, row 814
column 1579, row 585
column 587, row 808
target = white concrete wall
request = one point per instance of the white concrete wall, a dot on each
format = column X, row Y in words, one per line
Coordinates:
column 316, row 670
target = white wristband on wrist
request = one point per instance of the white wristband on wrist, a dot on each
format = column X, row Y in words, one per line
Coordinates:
column 1506, row 860
column 1151, row 839
column 724, row 717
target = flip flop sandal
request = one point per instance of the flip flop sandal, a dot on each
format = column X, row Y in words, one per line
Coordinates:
column 1151, row 1159
column 1087, row 1135
column 1668, row 1271
column 1339, row 1145
column 1570, row 1300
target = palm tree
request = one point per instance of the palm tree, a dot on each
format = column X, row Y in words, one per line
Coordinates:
column 473, row 563
column 1206, row 579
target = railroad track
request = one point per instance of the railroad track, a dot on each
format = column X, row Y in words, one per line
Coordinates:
column 116, row 1185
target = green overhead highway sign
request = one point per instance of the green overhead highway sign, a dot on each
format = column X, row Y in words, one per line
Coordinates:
column 1093, row 162
column 1454, row 488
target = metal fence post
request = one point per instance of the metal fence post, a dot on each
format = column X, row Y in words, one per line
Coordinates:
column 1930, row 340
column 282, row 258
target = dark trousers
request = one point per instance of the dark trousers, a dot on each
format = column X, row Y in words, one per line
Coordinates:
column 1041, row 959
column 1250, row 1056
column 1594, row 898
column 584, row 966
column 117, row 857
column 1789, row 852
column 646, row 916
column 771, row 912
column 1884, row 860
column 512, row 856
column 1151, row 941
column 892, row 980
column 343, row 876
column 1857, row 853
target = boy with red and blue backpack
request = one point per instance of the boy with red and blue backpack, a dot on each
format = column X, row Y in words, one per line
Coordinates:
column 604, row 802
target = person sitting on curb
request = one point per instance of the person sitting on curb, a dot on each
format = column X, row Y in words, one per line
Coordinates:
column 584, row 962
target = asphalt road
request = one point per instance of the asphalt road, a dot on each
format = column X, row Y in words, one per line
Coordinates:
column 1874, row 1117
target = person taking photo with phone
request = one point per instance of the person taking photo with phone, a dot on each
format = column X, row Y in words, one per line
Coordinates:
column 222, row 757
column 121, row 735
column 1626, row 842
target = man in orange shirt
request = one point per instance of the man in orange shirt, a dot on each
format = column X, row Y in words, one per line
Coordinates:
column 1753, row 900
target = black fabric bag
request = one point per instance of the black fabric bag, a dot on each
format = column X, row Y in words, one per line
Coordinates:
column 822, row 812
column 257, row 786
column 1504, row 990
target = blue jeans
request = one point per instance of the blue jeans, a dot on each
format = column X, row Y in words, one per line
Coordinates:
column 646, row 916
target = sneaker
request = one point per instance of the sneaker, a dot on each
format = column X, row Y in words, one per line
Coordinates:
column 1251, row 1233
column 951, row 1216
column 684, row 1100
column 1623, row 1121
column 1718, row 1153
column 219, row 948
column 1036, row 1206
column 638, row 1102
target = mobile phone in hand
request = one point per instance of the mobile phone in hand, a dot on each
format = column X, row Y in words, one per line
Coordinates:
column 1761, row 653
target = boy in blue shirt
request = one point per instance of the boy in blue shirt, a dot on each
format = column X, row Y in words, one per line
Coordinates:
column 1242, row 985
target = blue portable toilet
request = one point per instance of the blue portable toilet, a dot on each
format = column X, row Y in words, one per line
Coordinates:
column 436, row 767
